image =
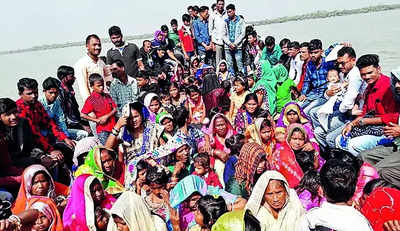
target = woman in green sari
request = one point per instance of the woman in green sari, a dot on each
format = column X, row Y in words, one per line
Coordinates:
column 103, row 163
column 267, row 83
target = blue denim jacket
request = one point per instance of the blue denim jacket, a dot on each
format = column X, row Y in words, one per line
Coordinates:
column 201, row 33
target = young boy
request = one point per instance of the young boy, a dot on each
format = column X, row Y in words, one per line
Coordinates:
column 202, row 169
column 338, row 182
column 102, row 105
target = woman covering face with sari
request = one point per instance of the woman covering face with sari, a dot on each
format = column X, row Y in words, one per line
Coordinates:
column 129, row 213
column 37, row 181
column 274, row 204
column 103, row 163
column 86, row 194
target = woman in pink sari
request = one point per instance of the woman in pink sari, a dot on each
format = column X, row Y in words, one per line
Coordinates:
column 86, row 194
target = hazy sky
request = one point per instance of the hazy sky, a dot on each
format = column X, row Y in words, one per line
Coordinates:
column 31, row 23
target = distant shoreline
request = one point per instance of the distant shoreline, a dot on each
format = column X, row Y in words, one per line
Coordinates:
column 314, row 15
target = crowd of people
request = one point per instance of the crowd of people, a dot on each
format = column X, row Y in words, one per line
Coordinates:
column 205, row 127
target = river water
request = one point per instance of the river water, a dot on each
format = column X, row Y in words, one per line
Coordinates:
column 377, row 32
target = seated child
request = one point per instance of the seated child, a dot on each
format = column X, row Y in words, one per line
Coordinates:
column 102, row 105
column 195, row 105
column 334, row 81
column 202, row 169
column 209, row 209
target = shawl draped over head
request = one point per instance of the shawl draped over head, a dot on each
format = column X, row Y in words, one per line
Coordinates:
column 84, row 145
column 211, row 131
column 210, row 83
column 246, row 166
column 147, row 102
column 94, row 167
column 24, row 193
column 156, row 42
column 253, row 135
column 288, row 215
column 79, row 212
column 230, row 221
column 49, row 209
column 281, row 73
column 292, row 106
column 381, row 206
column 268, row 84
column 133, row 211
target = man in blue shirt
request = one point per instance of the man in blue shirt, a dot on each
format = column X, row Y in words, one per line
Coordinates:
column 315, row 83
column 203, row 39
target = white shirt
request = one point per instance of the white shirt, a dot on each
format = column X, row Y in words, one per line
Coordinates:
column 295, row 71
column 83, row 69
column 336, row 217
column 356, row 86
column 216, row 26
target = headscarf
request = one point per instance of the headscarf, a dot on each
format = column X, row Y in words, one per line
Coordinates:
column 147, row 101
column 253, row 135
column 291, row 106
column 230, row 221
column 212, row 133
column 290, row 212
column 284, row 160
column 381, row 206
column 49, row 209
column 134, row 212
column 84, row 145
column 156, row 42
column 210, row 83
column 246, row 166
column 281, row 73
column 24, row 193
column 268, row 83
column 79, row 212
column 94, row 167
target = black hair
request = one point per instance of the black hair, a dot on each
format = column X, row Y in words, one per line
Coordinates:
column 251, row 223
column 242, row 81
column 251, row 96
column 249, row 29
column 26, row 83
column 253, row 33
column 7, row 105
column 338, row 181
column 315, row 44
column 157, row 175
column 94, row 182
column 235, row 143
column 269, row 41
column 203, row 159
column 90, row 37
column 192, row 89
column 174, row 22
column 345, row 156
column 283, row 42
column 143, row 75
column 114, row 30
column 297, row 129
column 190, row 8
column 186, row 18
column 213, row 5
column 310, row 182
column 164, row 28
column 226, row 85
column 139, row 107
column 94, row 77
column 230, row 7
column 63, row 71
column 294, row 44
column 373, row 184
column 211, row 208
column 265, row 123
column 181, row 114
column 305, row 44
column 367, row 60
column 146, row 41
column 118, row 62
column 346, row 50
column 50, row 82
column 174, row 84
column 202, row 9
column 305, row 160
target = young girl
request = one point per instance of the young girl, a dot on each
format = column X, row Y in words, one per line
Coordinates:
column 153, row 104
column 209, row 209
column 177, row 99
column 262, row 132
column 202, row 169
column 247, row 114
column 222, row 72
column 195, row 105
column 234, row 143
column 194, row 65
column 237, row 97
